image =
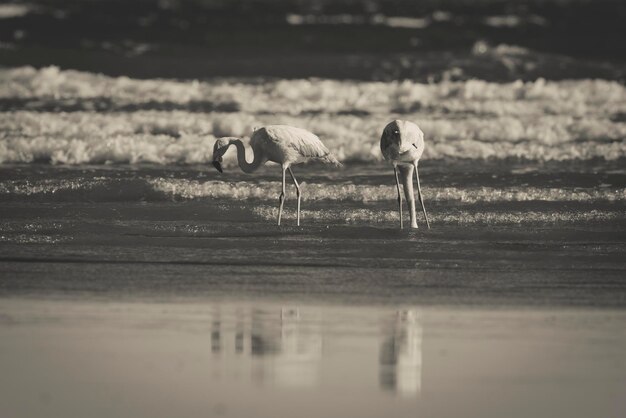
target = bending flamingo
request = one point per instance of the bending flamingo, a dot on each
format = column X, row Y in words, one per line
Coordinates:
column 282, row 144
column 402, row 143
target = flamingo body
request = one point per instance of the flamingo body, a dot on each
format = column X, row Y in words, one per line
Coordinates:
column 282, row 144
column 402, row 144
column 287, row 145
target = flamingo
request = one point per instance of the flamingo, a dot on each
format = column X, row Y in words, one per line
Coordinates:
column 402, row 143
column 282, row 144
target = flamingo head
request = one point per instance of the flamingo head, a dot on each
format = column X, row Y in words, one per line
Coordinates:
column 219, row 149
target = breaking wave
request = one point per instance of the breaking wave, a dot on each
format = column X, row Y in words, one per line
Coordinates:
column 70, row 117
column 50, row 86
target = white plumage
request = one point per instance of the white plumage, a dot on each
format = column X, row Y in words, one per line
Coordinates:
column 402, row 144
column 289, row 145
column 282, row 144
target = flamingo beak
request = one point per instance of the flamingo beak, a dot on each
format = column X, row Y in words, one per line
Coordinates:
column 218, row 165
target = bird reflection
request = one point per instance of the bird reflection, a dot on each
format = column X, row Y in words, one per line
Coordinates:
column 216, row 341
column 401, row 355
column 298, row 351
column 282, row 347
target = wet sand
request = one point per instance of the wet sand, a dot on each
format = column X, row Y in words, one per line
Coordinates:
column 196, row 307
column 102, row 358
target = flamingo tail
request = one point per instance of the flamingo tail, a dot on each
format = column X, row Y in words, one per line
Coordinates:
column 330, row 159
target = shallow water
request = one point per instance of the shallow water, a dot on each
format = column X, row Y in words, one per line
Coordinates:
column 148, row 291
column 500, row 235
column 267, row 359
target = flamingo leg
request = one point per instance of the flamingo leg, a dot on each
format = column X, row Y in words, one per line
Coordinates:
column 395, row 171
column 297, row 192
column 419, row 196
column 281, row 198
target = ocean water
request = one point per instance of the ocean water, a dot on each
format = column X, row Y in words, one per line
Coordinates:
column 517, row 177
column 130, row 269
column 70, row 117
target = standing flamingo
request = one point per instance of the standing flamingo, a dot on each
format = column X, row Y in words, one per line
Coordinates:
column 282, row 144
column 402, row 143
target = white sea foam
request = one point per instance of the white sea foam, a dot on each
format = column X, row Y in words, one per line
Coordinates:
column 294, row 96
column 192, row 189
column 45, row 232
column 11, row 10
column 474, row 119
column 33, row 239
column 30, row 227
column 347, row 19
column 511, row 21
column 49, row 186
column 351, row 216
column 268, row 191
column 184, row 137
column 161, row 149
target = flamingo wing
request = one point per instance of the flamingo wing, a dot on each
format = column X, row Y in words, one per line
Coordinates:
column 298, row 140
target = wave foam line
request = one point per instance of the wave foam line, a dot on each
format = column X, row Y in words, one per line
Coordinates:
column 192, row 189
column 268, row 190
column 352, row 216
column 34, row 239
column 576, row 97
column 186, row 138
column 47, row 186
column 159, row 149
column 192, row 149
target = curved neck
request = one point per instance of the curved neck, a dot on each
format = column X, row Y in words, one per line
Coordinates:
column 241, row 157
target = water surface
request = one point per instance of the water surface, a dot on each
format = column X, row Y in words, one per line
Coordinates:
column 227, row 358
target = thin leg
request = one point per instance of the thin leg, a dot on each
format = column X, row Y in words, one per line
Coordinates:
column 297, row 192
column 419, row 196
column 406, row 176
column 281, row 198
column 395, row 171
